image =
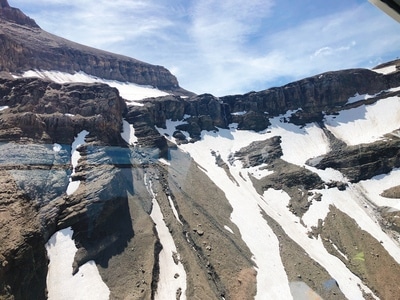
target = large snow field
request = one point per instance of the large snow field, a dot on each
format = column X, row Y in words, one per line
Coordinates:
column 86, row 284
column 168, row 282
column 129, row 91
column 299, row 144
column 272, row 280
column 366, row 123
column 275, row 205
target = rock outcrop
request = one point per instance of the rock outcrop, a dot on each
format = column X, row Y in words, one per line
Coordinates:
column 34, row 176
column 14, row 15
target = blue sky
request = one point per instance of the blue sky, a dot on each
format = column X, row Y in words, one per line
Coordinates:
column 228, row 47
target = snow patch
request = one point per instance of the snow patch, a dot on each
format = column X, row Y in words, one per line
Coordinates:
column 75, row 156
column 239, row 113
column 129, row 91
column 386, row 70
column 172, row 275
column 358, row 97
column 3, row 107
column 366, row 123
column 57, row 147
column 61, row 284
column 171, row 203
column 128, row 133
column 228, row 228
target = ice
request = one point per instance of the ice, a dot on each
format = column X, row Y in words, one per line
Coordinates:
column 86, row 284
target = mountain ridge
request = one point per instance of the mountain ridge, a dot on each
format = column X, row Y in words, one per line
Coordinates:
column 272, row 194
column 25, row 46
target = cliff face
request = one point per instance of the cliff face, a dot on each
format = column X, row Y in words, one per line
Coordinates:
column 235, row 199
column 14, row 15
column 309, row 99
column 35, row 177
column 25, row 46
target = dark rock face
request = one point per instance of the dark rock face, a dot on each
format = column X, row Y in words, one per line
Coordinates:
column 14, row 15
column 48, row 111
column 25, row 46
column 324, row 92
column 363, row 162
column 261, row 152
column 34, row 177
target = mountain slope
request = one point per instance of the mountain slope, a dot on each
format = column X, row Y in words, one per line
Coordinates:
column 25, row 46
column 286, row 193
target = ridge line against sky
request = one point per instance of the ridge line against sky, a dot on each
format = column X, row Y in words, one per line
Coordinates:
column 228, row 47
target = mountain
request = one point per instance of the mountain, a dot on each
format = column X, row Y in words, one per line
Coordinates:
column 112, row 189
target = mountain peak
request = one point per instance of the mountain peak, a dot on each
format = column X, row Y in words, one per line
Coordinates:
column 14, row 15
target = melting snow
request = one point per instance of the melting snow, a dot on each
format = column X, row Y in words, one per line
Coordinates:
column 298, row 144
column 86, row 284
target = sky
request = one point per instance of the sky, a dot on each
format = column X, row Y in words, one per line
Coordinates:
column 228, row 47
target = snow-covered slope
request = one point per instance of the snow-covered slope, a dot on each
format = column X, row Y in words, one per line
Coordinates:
column 281, row 209
column 364, row 124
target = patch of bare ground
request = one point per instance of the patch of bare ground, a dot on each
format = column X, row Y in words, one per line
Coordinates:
column 294, row 180
column 23, row 263
column 217, row 262
column 390, row 220
column 361, row 253
column 299, row 266
column 393, row 192
column 129, row 275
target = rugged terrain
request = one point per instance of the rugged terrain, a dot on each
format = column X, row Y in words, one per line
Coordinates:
column 290, row 192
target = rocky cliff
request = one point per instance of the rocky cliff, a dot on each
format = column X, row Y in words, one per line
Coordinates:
column 257, row 192
column 25, row 46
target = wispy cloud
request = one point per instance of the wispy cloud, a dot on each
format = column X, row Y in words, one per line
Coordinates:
column 226, row 47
